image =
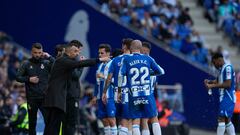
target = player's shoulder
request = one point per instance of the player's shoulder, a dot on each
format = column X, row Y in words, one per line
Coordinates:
column 143, row 55
column 148, row 57
column 26, row 62
column 116, row 59
column 110, row 62
column 227, row 67
column 45, row 61
column 125, row 55
column 100, row 65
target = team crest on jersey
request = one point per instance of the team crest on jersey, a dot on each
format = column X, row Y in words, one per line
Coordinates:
column 106, row 68
column 42, row 66
column 31, row 67
column 76, row 104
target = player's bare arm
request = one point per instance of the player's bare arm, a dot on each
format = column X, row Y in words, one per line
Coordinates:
column 99, row 75
column 106, row 85
column 225, row 84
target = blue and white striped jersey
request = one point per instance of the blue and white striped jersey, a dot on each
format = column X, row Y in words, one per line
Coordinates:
column 103, row 69
column 138, row 68
column 153, row 80
column 227, row 73
column 114, row 69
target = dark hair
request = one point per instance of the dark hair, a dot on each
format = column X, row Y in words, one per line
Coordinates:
column 76, row 43
column 8, row 97
column 88, row 87
column 37, row 45
column 127, row 42
column 117, row 52
column 107, row 47
column 147, row 45
column 59, row 47
column 216, row 56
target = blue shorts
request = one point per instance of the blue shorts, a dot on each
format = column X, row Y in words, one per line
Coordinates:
column 142, row 107
column 106, row 111
column 226, row 108
column 122, row 110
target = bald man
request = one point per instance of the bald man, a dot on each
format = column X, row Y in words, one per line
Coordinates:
column 137, row 68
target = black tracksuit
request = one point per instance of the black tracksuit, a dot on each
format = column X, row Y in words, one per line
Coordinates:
column 56, row 94
column 72, row 109
column 35, row 92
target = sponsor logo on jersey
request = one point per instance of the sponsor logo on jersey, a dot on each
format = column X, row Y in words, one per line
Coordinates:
column 140, row 101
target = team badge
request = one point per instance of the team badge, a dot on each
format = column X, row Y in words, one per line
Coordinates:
column 76, row 104
column 106, row 68
column 31, row 67
column 42, row 66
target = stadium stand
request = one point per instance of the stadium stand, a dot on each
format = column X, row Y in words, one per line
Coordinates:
column 172, row 23
column 226, row 14
column 166, row 21
column 11, row 55
column 220, row 27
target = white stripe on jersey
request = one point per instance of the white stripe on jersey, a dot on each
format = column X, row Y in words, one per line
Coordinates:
column 220, row 79
column 229, row 95
column 105, row 73
column 228, row 73
column 99, row 71
column 98, row 80
column 120, row 76
column 153, row 82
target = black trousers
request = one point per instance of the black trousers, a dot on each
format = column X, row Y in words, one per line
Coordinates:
column 72, row 116
column 54, row 119
column 17, row 131
column 33, row 106
column 236, row 121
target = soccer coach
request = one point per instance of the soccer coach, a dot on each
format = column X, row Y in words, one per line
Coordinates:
column 73, row 96
column 56, row 93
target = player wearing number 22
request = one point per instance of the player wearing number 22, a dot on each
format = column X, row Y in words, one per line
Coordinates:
column 138, row 68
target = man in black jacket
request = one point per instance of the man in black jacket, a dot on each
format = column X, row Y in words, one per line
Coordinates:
column 34, row 72
column 56, row 94
column 73, row 96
